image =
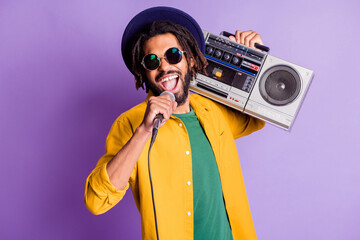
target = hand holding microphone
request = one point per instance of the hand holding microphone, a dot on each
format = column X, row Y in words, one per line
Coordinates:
column 159, row 110
column 159, row 117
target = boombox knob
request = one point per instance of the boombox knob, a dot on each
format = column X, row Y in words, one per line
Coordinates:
column 217, row 53
column 227, row 57
column 235, row 60
column 209, row 50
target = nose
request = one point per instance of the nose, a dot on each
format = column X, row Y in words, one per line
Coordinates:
column 164, row 65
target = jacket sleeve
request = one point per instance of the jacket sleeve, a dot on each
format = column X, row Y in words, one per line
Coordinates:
column 100, row 194
column 240, row 124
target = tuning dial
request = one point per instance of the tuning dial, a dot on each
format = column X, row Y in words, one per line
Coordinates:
column 227, row 57
column 235, row 60
column 209, row 50
column 217, row 53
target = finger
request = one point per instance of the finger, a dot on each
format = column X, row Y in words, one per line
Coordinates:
column 169, row 100
column 256, row 39
column 160, row 105
column 232, row 38
column 163, row 99
column 166, row 108
column 248, row 38
column 243, row 35
column 154, row 107
column 166, row 113
column 174, row 106
column 237, row 36
column 165, row 96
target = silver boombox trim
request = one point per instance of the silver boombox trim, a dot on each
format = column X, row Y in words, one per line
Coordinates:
column 252, row 81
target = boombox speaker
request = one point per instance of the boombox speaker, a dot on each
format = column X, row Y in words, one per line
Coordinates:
column 252, row 81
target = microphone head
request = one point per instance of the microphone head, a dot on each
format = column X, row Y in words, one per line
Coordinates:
column 172, row 96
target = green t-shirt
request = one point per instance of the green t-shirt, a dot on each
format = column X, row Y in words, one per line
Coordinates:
column 210, row 217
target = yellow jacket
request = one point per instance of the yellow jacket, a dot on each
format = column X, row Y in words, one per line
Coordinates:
column 171, row 171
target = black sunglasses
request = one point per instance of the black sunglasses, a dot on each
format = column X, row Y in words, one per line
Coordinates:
column 152, row 61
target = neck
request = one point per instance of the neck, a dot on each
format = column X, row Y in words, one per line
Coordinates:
column 184, row 108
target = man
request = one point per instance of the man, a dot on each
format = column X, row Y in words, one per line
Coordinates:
column 198, row 189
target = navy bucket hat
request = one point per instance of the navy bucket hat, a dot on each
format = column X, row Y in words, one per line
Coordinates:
column 146, row 17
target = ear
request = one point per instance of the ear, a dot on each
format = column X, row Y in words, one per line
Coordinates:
column 192, row 62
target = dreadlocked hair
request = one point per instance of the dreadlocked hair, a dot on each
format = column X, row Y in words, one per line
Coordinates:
column 186, row 41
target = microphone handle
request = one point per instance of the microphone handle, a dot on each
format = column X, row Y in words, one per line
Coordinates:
column 157, row 121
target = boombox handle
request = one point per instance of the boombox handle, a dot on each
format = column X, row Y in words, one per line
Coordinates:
column 258, row 46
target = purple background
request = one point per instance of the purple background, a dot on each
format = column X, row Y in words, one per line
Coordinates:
column 63, row 83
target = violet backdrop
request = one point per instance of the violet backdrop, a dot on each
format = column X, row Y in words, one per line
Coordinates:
column 63, row 83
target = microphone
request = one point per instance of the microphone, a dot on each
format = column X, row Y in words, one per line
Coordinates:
column 159, row 117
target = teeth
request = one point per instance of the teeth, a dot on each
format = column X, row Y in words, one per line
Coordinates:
column 169, row 78
column 169, row 83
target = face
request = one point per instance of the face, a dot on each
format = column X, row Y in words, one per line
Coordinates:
column 168, row 77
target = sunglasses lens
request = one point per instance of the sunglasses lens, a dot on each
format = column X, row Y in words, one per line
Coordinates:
column 173, row 55
column 151, row 61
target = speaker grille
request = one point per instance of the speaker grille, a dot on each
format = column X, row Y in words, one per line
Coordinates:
column 280, row 85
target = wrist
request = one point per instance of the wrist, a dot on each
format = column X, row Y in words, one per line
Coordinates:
column 143, row 131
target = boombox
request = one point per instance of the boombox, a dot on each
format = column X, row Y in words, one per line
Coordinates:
column 252, row 81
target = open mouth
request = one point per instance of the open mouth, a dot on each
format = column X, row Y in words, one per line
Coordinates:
column 169, row 83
